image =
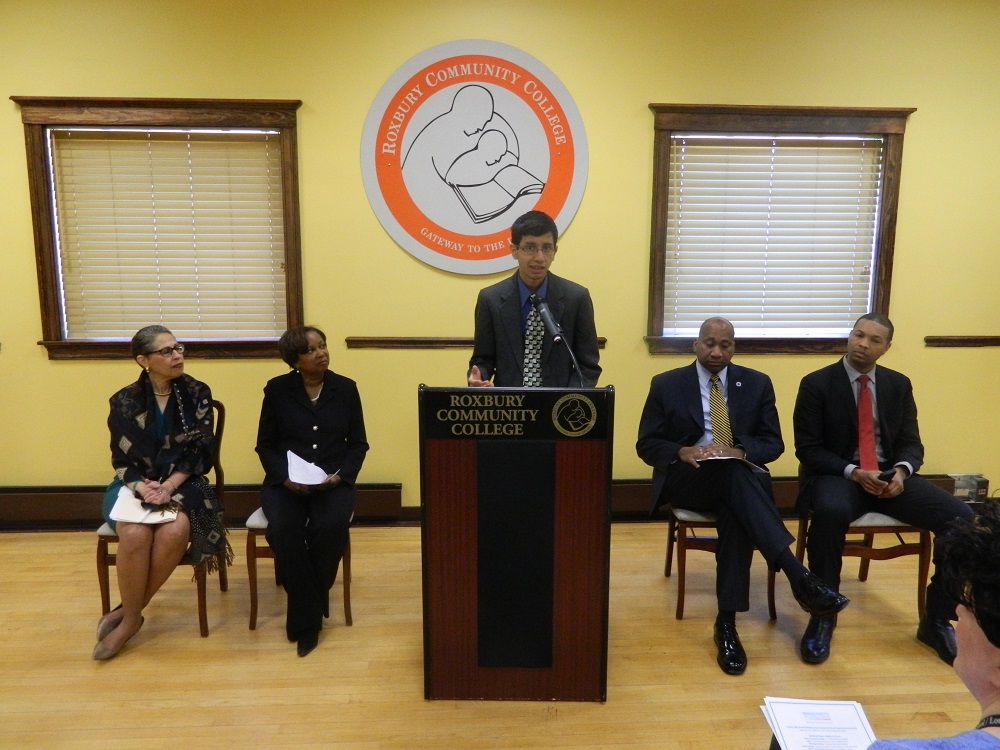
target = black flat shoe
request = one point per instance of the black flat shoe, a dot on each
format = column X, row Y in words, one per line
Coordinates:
column 307, row 643
column 815, row 645
column 732, row 658
column 940, row 636
column 816, row 598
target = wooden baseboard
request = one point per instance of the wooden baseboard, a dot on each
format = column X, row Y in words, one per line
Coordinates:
column 67, row 508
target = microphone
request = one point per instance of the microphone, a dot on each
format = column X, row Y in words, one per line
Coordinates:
column 551, row 327
column 554, row 330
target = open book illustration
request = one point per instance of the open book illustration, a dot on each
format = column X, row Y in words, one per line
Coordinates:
column 490, row 199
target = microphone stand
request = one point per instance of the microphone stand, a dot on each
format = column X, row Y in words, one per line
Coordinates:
column 555, row 331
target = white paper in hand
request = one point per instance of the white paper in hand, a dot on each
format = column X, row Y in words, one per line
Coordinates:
column 303, row 472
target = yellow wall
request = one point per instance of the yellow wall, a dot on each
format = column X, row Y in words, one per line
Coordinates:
column 614, row 58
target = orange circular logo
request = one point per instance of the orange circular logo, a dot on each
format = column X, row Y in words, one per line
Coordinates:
column 462, row 140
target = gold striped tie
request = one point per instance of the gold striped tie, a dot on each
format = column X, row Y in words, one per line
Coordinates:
column 534, row 334
column 722, row 433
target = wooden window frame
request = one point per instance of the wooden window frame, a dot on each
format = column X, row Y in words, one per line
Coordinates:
column 40, row 113
column 889, row 123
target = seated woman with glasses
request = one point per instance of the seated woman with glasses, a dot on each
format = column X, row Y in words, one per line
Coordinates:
column 969, row 560
column 162, row 445
column 310, row 420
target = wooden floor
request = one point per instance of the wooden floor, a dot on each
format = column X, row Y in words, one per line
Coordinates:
column 363, row 686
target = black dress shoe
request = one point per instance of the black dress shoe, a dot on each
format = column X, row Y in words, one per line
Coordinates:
column 815, row 645
column 732, row 658
column 816, row 598
column 940, row 636
column 307, row 643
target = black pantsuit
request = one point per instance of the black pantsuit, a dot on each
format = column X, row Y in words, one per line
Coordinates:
column 308, row 532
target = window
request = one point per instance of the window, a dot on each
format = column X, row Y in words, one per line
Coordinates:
column 179, row 212
column 781, row 219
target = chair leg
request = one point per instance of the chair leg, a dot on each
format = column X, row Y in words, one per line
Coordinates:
column 252, row 575
column 671, row 532
column 770, row 594
column 346, row 576
column 863, row 565
column 102, row 574
column 199, row 576
column 923, row 571
column 681, row 570
column 223, row 572
column 800, row 539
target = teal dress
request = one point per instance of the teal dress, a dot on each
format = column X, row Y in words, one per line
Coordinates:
column 162, row 419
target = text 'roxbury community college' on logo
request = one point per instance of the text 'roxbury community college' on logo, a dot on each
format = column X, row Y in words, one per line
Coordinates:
column 464, row 138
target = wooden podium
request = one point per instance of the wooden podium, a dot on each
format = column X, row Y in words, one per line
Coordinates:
column 515, row 499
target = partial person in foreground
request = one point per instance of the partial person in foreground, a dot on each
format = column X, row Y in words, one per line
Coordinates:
column 711, row 410
column 511, row 347
column 315, row 414
column 162, row 446
column 858, row 444
column 969, row 565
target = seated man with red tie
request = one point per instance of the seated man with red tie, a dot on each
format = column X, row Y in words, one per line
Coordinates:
column 859, row 449
column 711, row 410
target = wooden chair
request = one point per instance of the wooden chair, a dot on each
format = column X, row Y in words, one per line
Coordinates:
column 682, row 527
column 256, row 528
column 868, row 526
column 106, row 536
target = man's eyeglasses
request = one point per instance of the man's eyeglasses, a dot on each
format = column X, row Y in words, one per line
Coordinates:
column 535, row 249
column 168, row 351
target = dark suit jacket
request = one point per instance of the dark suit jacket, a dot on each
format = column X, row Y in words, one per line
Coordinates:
column 498, row 349
column 673, row 419
column 826, row 421
column 330, row 435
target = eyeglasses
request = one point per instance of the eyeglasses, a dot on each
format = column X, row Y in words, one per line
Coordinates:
column 168, row 351
column 535, row 249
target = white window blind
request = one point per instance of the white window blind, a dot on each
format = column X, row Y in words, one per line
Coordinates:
column 179, row 227
column 775, row 233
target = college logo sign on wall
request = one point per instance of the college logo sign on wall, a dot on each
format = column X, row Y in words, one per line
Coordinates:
column 462, row 140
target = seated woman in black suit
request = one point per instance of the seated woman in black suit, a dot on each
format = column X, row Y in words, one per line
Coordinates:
column 315, row 414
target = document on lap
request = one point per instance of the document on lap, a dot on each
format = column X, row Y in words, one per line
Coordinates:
column 812, row 725
column 303, row 472
column 131, row 509
column 755, row 467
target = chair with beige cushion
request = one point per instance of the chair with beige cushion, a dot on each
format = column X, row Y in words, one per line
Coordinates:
column 256, row 529
column 868, row 526
column 106, row 557
column 682, row 531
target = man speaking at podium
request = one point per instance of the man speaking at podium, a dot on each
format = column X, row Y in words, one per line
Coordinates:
column 534, row 328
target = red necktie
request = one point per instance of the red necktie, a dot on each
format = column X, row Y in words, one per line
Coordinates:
column 866, row 427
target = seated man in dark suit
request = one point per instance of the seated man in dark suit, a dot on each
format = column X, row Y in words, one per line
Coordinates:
column 854, row 423
column 711, row 410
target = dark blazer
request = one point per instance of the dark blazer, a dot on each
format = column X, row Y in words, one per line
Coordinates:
column 498, row 349
column 672, row 418
column 330, row 435
column 826, row 421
